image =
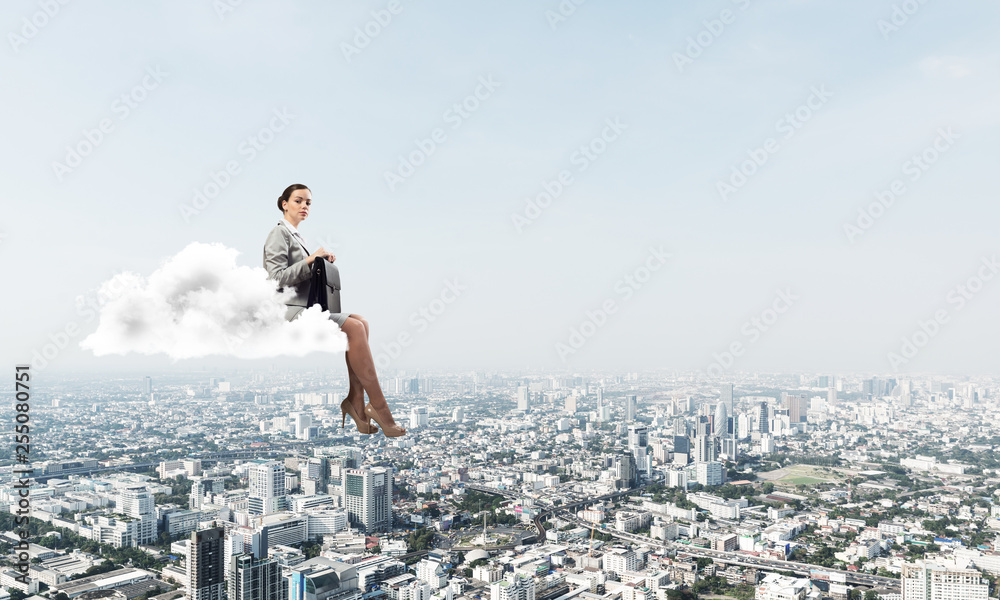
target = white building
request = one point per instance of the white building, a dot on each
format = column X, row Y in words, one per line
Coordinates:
column 709, row 473
column 514, row 587
column 929, row 581
column 780, row 587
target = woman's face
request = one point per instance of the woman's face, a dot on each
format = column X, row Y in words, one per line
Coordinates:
column 297, row 207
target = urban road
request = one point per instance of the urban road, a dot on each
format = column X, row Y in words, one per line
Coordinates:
column 717, row 556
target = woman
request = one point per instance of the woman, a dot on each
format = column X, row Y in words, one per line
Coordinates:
column 288, row 262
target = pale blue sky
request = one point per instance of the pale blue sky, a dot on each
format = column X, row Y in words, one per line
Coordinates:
column 654, row 186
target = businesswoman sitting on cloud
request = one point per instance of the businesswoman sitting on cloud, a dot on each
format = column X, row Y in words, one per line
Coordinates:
column 289, row 263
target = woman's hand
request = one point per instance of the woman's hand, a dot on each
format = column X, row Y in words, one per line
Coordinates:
column 320, row 253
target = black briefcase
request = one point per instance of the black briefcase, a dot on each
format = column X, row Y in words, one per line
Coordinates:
column 324, row 285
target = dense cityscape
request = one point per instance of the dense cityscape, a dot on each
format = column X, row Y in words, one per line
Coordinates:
column 637, row 486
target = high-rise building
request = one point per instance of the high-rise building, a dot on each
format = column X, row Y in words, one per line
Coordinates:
column 302, row 422
column 625, row 469
column 929, row 581
column 321, row 578
column 267, row 487
column 368, row 498
column 205, row 565
column 253, row 579
column 743, row 425
column 458, row 415
column 432, row 572
column 762, row 418
column 797, row 406
column 638, row 436
column 197, row 496
column 570, row 406
column 523, row 398
column 720, row 422
column 137, row 503
column 316, row 476
column 147, row 386
column 513, row 587
column 709, row 473
column 704, row 449
column 631, row 406
column 419, row 416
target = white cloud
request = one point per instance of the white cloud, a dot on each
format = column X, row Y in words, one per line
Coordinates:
column 201, row 303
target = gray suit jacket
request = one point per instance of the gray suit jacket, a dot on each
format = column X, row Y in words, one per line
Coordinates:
column 285, row 262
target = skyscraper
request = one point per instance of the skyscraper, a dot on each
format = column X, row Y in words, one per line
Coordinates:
column 137, row 503
column 797, row 406
column 631, row 406
column 147, row 386
column 267, row 487
column 253, row 579
column 419, row 416
column 625, row 470
column 523, row 398
column 197, row 495
column 638, row 436
column 205, row 565
column 704, row 449
column 368, row 498
column 762, row 418
column 720, row 422
column 302, row 422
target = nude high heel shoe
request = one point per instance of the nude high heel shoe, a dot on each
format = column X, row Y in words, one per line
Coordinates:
column 364, row 427
column 389, row 429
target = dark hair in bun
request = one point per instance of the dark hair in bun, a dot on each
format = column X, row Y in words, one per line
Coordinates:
column 288, row 194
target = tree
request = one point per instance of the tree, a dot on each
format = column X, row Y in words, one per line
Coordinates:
column 16, row 594
column 767, row 487
column 871, row 595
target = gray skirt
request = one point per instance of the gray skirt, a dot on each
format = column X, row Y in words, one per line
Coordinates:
column 293, row 313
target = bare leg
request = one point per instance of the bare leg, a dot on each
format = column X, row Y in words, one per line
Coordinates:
column 356, row 392
column 360, row 356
